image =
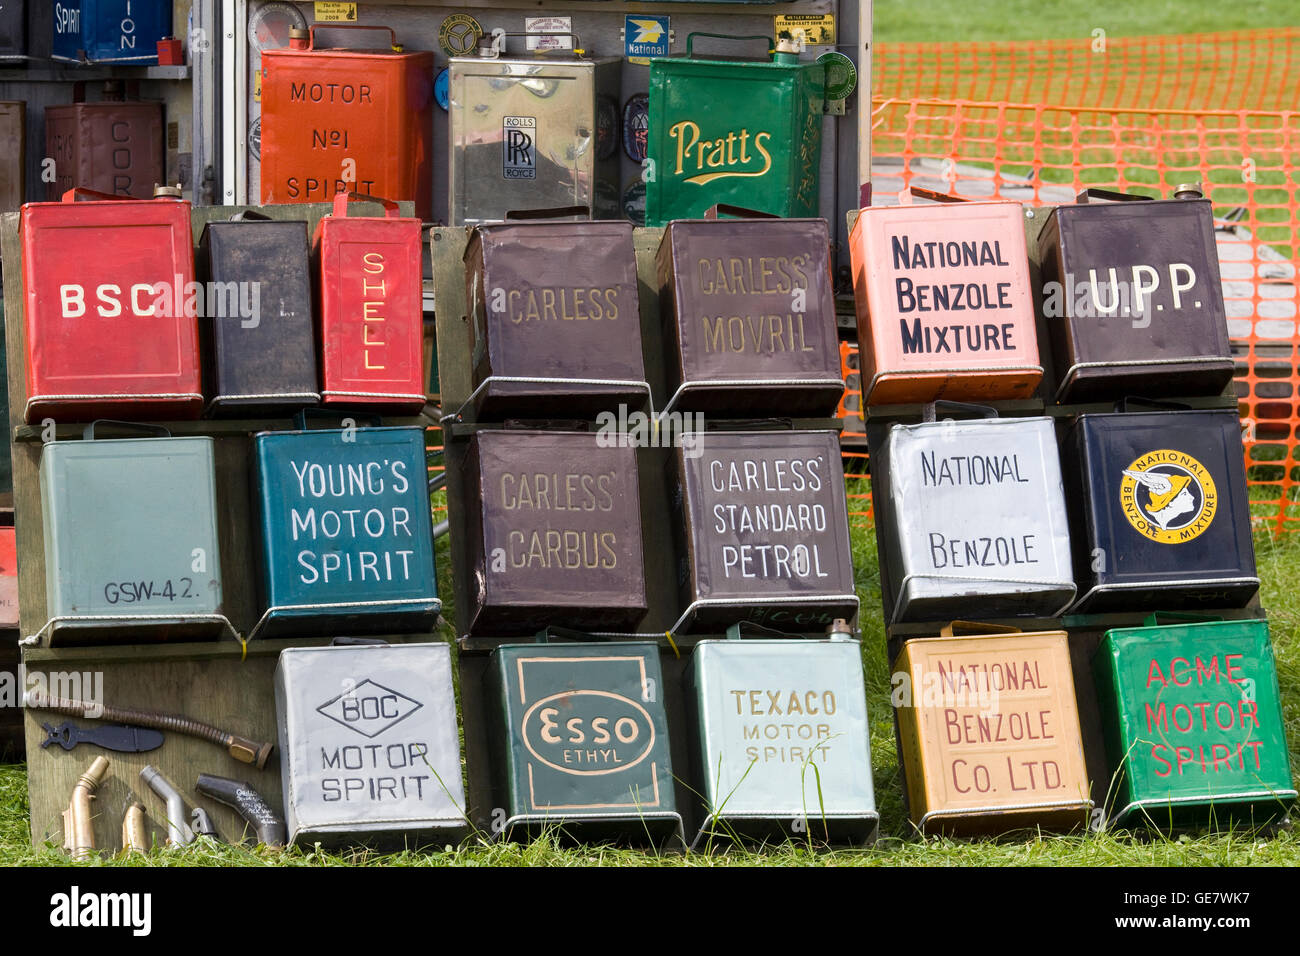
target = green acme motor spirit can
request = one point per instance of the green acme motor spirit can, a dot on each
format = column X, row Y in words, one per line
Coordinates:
column 1193, row 724
column 736, row 132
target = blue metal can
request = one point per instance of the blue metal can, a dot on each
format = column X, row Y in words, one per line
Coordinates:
column 346, row 531
column 120, row 31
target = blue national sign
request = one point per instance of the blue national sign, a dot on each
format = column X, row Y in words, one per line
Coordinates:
column 645, row 36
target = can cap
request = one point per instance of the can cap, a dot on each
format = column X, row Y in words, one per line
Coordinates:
column 167, row 192
column 299, row 38
column 786, row 45
column 1189, row 191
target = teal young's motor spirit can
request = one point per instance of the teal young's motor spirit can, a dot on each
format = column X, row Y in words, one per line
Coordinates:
column 346, row 531
column 131, row 543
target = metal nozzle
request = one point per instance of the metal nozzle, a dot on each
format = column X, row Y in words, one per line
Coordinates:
column 248, row 803
column 135, row 835
column 839, row 630
column 78, row 827
column 178, row 831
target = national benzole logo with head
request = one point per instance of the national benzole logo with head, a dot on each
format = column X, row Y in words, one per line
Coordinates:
column 1168, row 496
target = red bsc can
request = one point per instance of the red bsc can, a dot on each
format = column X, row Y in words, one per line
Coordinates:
column 372, row 308
column 108, row 293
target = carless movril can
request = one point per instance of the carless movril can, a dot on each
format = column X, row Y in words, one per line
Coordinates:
column 554, row 533
column 554, row 318
column 1133, row 300
column 1159, row 511
column 338, row 119
column 972, row 511
column 109, row 328
column 781, row 739
column 1193, row 723
column 582, row 739
column 749, row 317
column 371, row 298
column 346, row 535
column 989, row 732
column 944, row 304
column 763, row 531
column 368, row 744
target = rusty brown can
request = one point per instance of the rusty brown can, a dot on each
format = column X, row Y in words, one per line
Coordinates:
column 109, row 146
column 555, row 533
column 762, row 531
column 749, row 317
column 555, row 319
column 13, row 154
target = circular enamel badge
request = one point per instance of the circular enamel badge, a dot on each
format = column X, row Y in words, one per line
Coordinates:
column 459, row 34
column 442, row 89
column 1168, row 496
column 636, row 127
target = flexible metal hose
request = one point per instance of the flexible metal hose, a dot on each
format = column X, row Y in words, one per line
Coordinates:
column 241, row 748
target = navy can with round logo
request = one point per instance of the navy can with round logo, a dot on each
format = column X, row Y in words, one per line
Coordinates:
column 1159, row 512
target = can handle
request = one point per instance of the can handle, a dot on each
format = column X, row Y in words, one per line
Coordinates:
column 1122, row 404
column 249, row 215
column 499, row 41
column 358, row 642
column 976, row 627
column 930, row 410
column 72, row 194
column 735, row 632
column 1108, row 195
column 690, row 39
column 920, row 192
column 567, row 633
column 738, row 212
column 550, row 212
column 300, row 417
column 88, row 433
column 1180, row 617
column 311, row 36
column 343, row 197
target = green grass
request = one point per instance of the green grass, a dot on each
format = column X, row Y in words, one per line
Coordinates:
column 1279, row 566
column 964, row 20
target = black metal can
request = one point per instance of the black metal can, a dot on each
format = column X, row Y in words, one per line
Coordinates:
column 1159, row 512
column 555, row 534
column 257, row 321
column 1133, row 299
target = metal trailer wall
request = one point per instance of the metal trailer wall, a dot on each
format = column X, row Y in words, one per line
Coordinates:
column 599, row 26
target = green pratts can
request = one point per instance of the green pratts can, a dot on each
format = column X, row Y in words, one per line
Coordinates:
column 738, row 132
column 1193, row 723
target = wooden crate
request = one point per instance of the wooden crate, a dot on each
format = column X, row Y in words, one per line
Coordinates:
column 218, row 682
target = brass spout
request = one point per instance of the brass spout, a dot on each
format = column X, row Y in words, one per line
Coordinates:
column 135, row 837
column 78, row 826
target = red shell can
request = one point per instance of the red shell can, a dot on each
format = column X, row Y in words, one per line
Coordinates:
column 372, row 308
column 106, row 287
column 334, row 119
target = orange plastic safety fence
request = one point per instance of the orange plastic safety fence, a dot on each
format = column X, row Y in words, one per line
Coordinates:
column 1229, row 70
column 854, row 438
column 432, row 449
column 1249, row 162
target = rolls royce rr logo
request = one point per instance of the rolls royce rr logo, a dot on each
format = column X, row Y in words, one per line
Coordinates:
column 369, row 708
column 1168, row 496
